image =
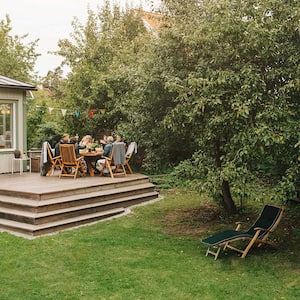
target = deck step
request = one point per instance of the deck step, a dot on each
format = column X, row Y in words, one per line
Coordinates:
column 32, row 205
column 67, row 212
column 35, row 230
column 9, row 201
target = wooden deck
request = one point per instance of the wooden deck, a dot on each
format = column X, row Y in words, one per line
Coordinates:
column 32, row 205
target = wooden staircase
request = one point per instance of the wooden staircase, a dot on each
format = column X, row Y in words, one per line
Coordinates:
column 69, row 203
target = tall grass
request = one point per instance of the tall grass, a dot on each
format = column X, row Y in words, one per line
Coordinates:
column 134, row 257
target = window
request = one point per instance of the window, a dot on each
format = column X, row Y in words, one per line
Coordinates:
column 6, row 126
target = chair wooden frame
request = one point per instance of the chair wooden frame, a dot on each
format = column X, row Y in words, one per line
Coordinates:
column 128, row 155
column 114, row 169
column 54, row 160
column 256, row 235
column 70, row 161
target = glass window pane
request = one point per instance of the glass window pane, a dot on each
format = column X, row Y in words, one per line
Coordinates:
column 6, row 125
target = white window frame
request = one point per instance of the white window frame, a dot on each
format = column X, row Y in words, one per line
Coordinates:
column 13, row 125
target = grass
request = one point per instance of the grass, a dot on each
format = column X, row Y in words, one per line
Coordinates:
column 138, row 256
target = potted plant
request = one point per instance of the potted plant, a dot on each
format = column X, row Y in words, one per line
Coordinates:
column 92, row 146
column 17, row 153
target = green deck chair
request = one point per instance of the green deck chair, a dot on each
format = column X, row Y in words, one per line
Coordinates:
column 256, row 235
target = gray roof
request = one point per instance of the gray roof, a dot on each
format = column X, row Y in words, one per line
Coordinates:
column 6, row 82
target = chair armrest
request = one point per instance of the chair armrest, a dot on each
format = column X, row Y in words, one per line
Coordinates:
column 57, row 158
column 258, row 228
column 238, row 226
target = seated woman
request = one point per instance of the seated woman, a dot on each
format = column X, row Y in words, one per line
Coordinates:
column 87, row 139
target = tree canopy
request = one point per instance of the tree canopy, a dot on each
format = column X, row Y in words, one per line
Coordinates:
column 17, row 57
column 217, row 89
column 241, row 91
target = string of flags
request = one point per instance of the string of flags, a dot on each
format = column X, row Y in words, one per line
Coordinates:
column 76, row 112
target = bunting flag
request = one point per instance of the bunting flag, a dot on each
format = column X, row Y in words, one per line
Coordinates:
column 63, row 111
column 91, row 113
column 76, row 112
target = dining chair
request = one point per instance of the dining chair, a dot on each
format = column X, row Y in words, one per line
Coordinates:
column 54, row 160
column 117, row 160
column 71, row 166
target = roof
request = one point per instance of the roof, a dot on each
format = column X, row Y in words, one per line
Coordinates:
column 6, row 82
column 152, row 21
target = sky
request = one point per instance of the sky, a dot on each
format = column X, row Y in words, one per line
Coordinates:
column 50, row 21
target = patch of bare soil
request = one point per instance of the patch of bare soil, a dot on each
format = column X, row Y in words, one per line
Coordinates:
column 209, row 218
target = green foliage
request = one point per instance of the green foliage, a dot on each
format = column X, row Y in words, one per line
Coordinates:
column 220, row 81
column 198, row 174
column 17, row 57
column 41, row 124
column 98, row 56
column 240, row 93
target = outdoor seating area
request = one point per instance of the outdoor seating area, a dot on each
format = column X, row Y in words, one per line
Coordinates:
column 85, row 163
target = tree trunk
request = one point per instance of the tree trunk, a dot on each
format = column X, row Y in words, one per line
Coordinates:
column 227, row 200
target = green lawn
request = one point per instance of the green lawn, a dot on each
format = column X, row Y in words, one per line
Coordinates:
column 138, row 257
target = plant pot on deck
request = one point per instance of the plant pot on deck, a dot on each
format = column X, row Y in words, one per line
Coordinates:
column 17, row 154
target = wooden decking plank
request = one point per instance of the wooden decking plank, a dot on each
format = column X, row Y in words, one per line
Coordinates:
column 101, row 193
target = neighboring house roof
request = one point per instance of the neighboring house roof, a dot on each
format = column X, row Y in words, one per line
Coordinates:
column 6, row 82
column 152, row 21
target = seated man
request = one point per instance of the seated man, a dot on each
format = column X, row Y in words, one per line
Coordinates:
column 106, row 152
column 65, row 140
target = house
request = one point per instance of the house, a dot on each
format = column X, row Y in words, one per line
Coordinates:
column 152, row 21
column 12, row 119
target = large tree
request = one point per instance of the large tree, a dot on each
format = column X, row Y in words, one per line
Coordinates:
column 95, row 53
column 221, row 80
column 242, row 95
column 17, row 57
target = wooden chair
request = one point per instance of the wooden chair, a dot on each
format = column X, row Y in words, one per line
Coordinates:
column 131, row 148
column 70, row 162
column 256, row 235
column 55, row 161
column 116, row 162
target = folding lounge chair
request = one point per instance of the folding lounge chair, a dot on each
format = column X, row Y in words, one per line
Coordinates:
column 256, row 235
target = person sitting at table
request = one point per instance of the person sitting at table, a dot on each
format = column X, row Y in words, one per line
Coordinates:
column 118, row 139
column 106, row 152
column 87, row 139
column 65, row 140
column 73, row 140
column 103, row 141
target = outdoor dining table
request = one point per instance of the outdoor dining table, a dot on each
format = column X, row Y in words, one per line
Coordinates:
column 91, row 157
